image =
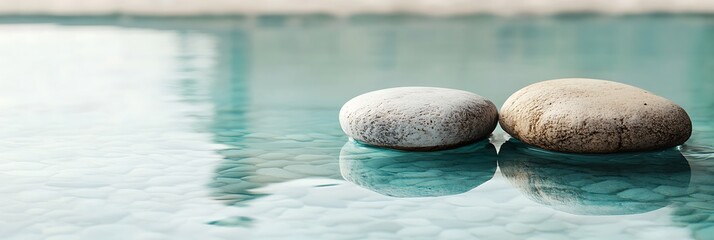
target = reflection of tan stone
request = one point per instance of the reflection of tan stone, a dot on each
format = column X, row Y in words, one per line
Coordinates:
column 346, row 7
column 593, row 116
column 613, row 184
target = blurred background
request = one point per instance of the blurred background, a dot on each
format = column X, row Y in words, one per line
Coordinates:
column 345, row 7
column 217, row 119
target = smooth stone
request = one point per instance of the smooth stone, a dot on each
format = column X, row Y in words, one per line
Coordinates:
column 593, row 116
column 418, row 118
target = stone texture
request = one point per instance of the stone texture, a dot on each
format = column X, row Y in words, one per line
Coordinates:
column 593, row 116
column 418, row 118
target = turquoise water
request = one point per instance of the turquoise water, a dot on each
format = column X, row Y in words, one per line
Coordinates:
column 226, row 128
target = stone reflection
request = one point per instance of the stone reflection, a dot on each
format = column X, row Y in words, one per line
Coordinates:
column 418, row 174
column 612, row 184
column 696, row 210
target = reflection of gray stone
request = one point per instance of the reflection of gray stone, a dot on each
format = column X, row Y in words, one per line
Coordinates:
column 418, row 174
column 611, row 184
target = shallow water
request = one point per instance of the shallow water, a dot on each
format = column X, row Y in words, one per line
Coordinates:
column 225, row 127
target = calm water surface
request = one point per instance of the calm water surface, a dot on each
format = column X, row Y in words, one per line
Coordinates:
column 226, row 128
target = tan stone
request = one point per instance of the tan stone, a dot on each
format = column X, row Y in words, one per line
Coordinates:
column 593, row 116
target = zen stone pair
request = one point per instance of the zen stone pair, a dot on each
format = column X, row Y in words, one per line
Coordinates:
column 565, row 115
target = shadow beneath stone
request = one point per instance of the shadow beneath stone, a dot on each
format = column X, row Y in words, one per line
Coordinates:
column 588, row 184
column 418, row 174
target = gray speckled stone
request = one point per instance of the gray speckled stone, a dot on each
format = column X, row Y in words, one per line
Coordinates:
column 418, row 118
column 593, row 116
